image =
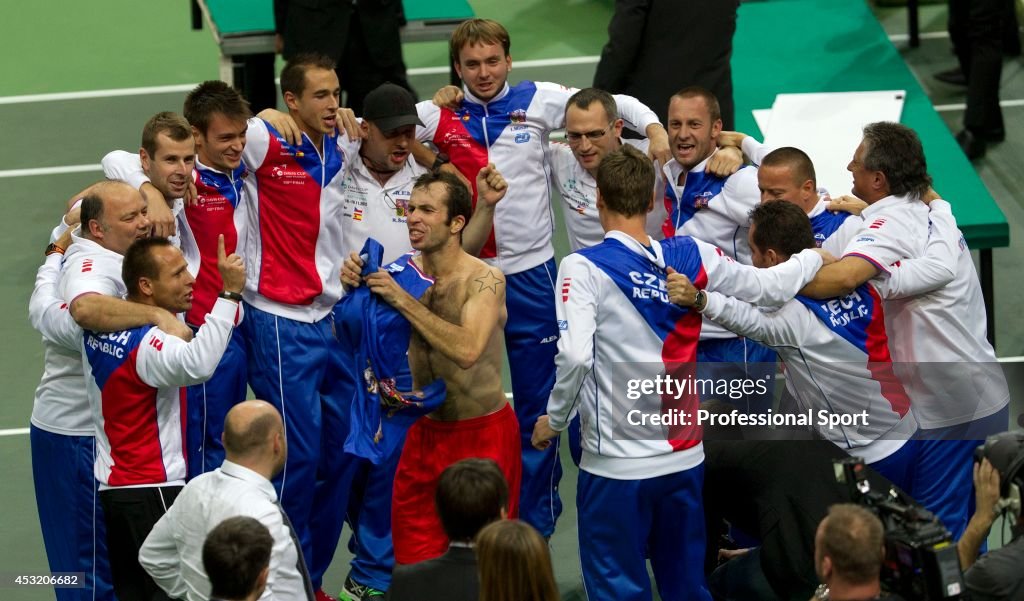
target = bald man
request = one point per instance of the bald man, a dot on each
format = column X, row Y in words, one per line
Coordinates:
column 255, row 452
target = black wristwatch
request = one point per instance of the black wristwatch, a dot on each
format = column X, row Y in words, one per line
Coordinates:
column 53, row 248
column 442, row 159
column 231, row 296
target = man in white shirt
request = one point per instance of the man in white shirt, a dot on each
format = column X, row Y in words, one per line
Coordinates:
column 889, row 174
column 938, row 340
column 255, row 448
column 592, row 130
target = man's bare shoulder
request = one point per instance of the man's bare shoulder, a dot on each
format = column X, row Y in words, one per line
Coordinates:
column 482, row 278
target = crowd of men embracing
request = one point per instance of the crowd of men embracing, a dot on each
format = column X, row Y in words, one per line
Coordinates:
column 366, row 278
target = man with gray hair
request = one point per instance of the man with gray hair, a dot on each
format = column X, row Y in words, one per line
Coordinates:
column 890, row 174
column 941, row 321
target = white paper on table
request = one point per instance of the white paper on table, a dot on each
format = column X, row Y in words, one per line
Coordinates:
column 828, row 127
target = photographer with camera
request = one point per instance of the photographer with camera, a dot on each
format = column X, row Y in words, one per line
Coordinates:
column 848, row 550
column 998, row 479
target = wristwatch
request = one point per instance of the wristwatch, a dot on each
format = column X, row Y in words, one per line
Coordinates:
column 53, row 248
column 700, row 301
column 230, row 295
column 442, row 159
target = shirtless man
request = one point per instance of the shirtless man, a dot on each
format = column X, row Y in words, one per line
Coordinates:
column 457, row 336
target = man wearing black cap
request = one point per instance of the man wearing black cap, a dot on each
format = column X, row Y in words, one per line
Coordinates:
column 378, row 186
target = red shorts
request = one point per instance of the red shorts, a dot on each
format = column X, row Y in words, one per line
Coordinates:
column 430, row 447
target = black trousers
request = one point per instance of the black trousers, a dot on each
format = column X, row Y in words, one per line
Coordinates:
column 977, row 29
column 131, row 514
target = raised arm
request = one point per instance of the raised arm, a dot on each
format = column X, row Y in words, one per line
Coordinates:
column 490, row 188
column 169, row 361
column 127, row 167
column 937, row 267
column 47, row 312
column 737, row 316
column 640, row 118
column 841, row 277
column 463, row 344
column 986, row 495
column 772, row 286
column 880, row 243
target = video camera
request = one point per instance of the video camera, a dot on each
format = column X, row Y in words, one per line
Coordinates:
column 921, row 560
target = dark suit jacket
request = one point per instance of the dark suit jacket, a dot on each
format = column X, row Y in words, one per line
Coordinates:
column 657, row 47
column 452, row 576
column 323, row 26
column 777, row 491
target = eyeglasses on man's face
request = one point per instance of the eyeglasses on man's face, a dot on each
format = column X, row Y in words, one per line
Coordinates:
column 595, row 135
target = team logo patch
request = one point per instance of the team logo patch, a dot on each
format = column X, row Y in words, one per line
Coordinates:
column 702, row 200
column 563, row 325
column 401, row 207
column 517, row 116
column 357, row 215
column 566, row 282
column 878, row 223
